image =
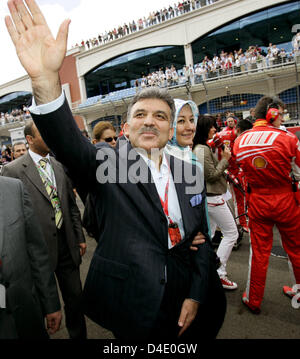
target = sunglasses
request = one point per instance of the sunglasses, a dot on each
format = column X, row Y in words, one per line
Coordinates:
column 110, row 139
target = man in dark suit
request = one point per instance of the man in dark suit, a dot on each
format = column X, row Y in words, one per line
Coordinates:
column 64, row 235
column 143, row 282
column 27, row 284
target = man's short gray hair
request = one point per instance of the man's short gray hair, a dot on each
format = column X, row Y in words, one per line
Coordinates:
column 153, row 93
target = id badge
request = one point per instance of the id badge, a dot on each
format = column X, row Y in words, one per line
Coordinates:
column 2, row 296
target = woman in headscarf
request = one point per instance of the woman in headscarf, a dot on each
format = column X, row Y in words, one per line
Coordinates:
column 180, row 146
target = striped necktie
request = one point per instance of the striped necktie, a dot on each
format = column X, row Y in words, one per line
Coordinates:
column 52, row 193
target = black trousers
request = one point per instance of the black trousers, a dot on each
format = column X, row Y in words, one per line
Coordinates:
column 68, row 277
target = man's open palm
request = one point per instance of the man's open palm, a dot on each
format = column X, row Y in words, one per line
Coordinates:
column 39, row 52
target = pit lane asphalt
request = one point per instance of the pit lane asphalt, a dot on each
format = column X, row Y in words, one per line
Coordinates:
column 277, row 320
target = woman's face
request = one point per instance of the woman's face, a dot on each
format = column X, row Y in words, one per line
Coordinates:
column 211, row 132
column 186, row 127
column 109, row 136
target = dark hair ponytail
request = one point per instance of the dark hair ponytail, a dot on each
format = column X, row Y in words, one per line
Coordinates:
column 205, row 123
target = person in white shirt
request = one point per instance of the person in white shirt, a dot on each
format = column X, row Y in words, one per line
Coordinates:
column 161, row 78
column 242, row 60
column 270, row 58
column 191, row 74
column 198, row 74
column 144, row 82
column 168, row 75
column 2, row 119
column 282, row 56
column 175, row 76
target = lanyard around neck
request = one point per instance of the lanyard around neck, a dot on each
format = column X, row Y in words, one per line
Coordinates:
column 165, row 203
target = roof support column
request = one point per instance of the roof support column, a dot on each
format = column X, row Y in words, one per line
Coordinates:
column 82, row 88
column 188, row 54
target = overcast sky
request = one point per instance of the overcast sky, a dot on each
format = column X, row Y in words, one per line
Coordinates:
column 88, row 19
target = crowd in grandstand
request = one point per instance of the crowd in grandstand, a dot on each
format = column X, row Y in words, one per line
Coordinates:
column 16, row 115
column 155, row 17
column 254, row 58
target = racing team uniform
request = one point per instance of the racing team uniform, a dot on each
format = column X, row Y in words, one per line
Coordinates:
column 227, row 137
column 267, row 156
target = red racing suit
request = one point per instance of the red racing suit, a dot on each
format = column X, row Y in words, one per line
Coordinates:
column 227, row 137
column 267, row 156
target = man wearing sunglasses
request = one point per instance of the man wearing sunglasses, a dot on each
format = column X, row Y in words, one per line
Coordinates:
column 144, row 282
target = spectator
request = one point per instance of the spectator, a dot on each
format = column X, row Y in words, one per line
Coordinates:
column 198, row 74
column 6, row 155
column 175, row 77
column 153, row 18
column 168, row 75
column 219, row 122
column 2, row 119
column 191, row 74
column 85, row 133
column 282, row 56
column 216, row 186
column 18, row 149
column 270, row 58
column 251, row 118
column 104, row 131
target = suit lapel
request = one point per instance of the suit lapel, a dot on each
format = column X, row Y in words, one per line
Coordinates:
column 32, row 174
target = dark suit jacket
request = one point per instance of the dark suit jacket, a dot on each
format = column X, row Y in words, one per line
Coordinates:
column 89, row 217
column 30, row 284
column 25, row 169
column 126, row 279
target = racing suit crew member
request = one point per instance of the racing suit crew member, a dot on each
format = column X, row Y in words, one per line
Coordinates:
column 267, row 156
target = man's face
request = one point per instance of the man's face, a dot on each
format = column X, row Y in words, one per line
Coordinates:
column 230, row 122
column 277, row 123
column 36, row 143
column 19, row 150
column 149, row 124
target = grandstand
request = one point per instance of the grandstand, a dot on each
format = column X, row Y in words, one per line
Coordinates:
column 100, row 82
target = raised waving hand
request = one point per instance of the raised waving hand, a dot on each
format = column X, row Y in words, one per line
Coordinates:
column 39, row 52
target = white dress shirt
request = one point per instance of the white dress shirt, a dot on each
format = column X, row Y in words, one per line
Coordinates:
column 160, row 179
column 48, row 171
